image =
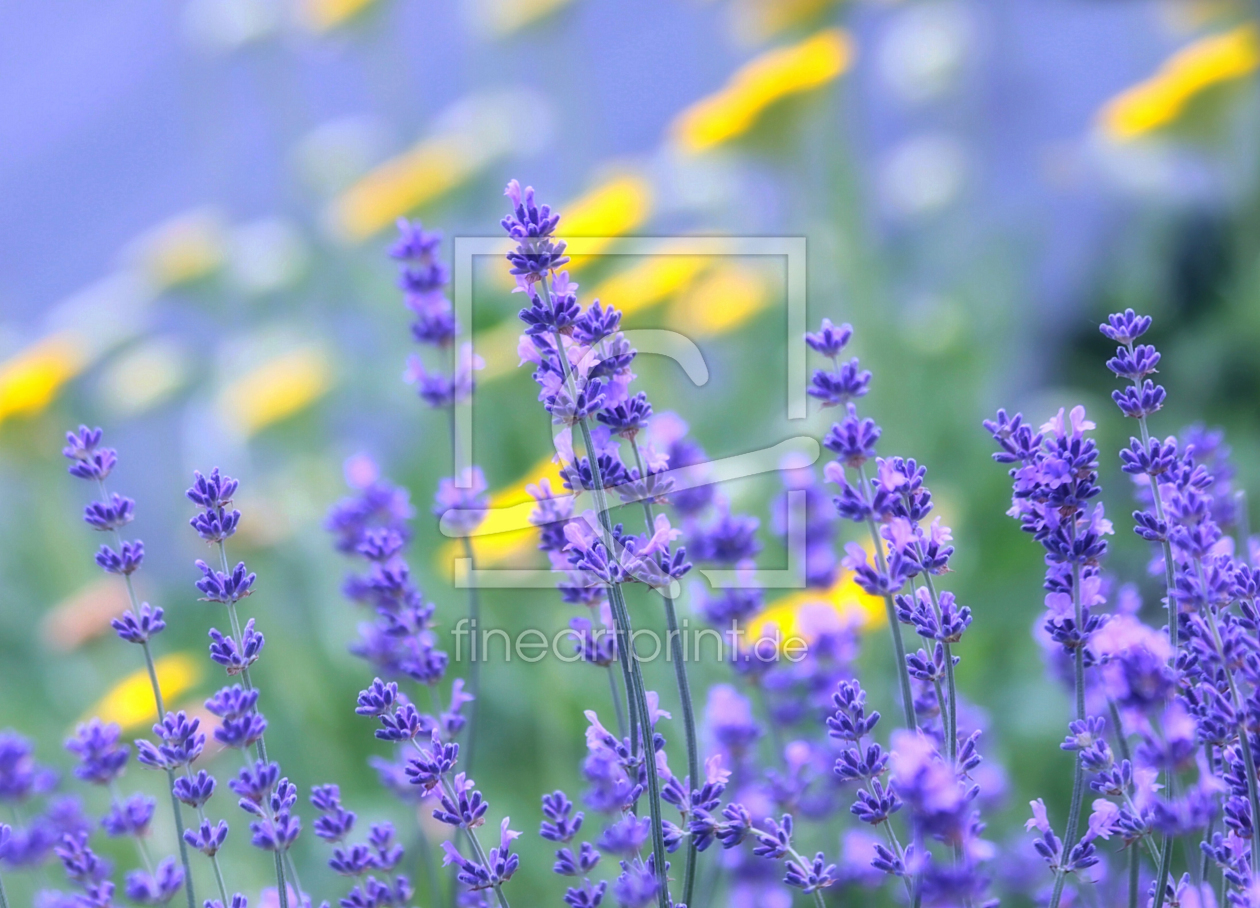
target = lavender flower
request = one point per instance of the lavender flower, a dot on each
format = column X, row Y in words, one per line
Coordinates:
column 100, row 759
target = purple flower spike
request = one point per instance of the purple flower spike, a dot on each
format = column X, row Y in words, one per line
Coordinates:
column 158, row 888
column 101, row 757
column 139, row 628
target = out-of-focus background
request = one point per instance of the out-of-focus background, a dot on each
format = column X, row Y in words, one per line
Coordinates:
column 197, row 196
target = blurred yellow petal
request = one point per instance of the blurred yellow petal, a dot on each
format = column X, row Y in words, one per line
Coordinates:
column 1161, row 99
column 757, row 20
column 494, row 546
column 402, row 184
column 30, row 379
column 130, row 702
column 322, row 15
column 774, row 75
column 502, row 17
column 614, row 207
column 649, row 282
column 85, row 614
column 721, row 301
column 185, row 248
column 275, row 390
column 845, row 597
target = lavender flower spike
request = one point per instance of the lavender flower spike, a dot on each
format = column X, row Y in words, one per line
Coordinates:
column 141, row 622
column 576, row 383
column 241, row 726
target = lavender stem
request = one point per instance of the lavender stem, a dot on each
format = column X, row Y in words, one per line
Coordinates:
column 1078, row 780
column 474, row 668
column 161, row 710
column 679, row 655
column 894, row 626
column 282, row 889
column 625, row 631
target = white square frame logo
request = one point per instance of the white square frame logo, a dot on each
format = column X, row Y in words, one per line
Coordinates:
column 793, row 249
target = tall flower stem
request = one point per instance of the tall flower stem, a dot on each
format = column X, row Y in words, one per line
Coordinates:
column 478, row 852
column 679, row 657
column 282, row 890
column 1173, row 630
column 1168, row 563
column 894, row 626
column 474, row 667
column 214, row 858
column 1078, row 780
column 161, row 711
column 618, row 707
column 950, row 686
column 637, row 693
column 4, row 899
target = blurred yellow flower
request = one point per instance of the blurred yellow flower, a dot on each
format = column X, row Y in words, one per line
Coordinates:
column 845, row 598
column 30, row 379
column 612, row 208
column 650, row 281
column 130, row 702
column 721, row 301
column 774, row 75
column 322, row 15
column 756, row 20
column 428, row 170
column 275, row 390
column 185, row 248
column 499, row 539
column 502, row 17
column 1162, row 98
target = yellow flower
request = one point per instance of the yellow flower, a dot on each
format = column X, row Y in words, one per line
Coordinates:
column 275, row 390
column 756, row 20
column 845, row 597
column 185, row 248
column 502, row 17
column 774, row 75
column 322, row 15
column 650, row 281
column 425, row 172
column 1161, row 99
column 612, row 208
column 721, row 301
column 500, row 539
column 130, row 702
column 31, row 379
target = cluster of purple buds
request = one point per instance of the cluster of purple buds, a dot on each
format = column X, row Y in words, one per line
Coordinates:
column 423, row 279
column 399, row 642
column 431, row 772
column 23, row 781
column 101, row 759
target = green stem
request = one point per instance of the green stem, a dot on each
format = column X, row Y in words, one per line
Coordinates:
column 4, row 899
column 1133, row 877
column 894, row 626
column 260, row 747
column 161, row 709
column 625, row 631
column 1078, row 780
column 618, row 708
column 478, row 852
column 679, row 657
column 950, row 685
column 474, row 667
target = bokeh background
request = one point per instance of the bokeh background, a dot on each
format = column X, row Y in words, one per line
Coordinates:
column 197, row 199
